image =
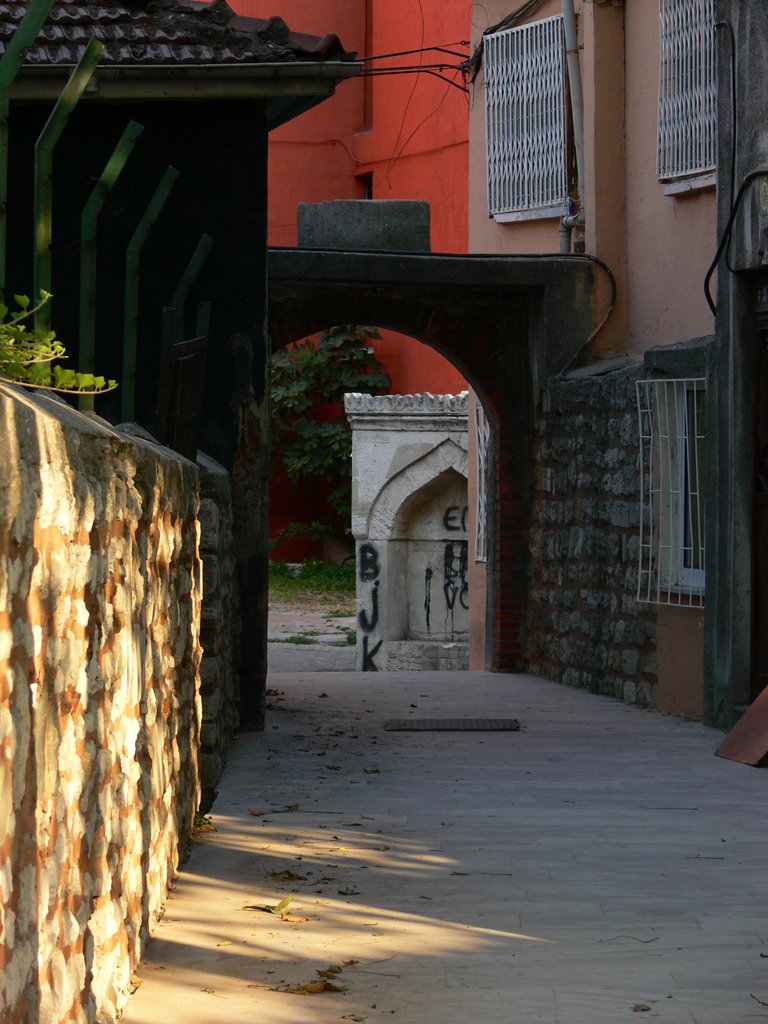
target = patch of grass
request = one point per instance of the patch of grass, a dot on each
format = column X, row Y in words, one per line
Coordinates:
column 312, row 579
column 299, row 638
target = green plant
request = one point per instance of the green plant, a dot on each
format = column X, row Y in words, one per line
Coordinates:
column 28, row 354
column 315, row 443
column 314, row 577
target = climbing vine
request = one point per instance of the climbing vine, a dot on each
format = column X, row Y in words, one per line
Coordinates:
column 310, row 432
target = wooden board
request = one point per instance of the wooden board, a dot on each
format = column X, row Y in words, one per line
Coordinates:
column 747, row 741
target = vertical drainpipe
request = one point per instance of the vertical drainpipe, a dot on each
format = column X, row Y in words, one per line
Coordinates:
column 571, row 221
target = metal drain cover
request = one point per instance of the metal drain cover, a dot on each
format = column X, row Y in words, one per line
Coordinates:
column 452, row 725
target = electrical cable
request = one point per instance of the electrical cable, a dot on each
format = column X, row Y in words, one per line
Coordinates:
column 423, row 49
column 760, row 172
column 472, row 66
column 604, row 319
column 393, row 159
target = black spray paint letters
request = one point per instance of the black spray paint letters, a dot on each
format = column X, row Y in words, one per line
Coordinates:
column 455, row 518
column 368, row 571
column 455, row 582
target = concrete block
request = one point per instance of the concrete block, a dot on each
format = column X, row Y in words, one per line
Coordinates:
column 383, row 225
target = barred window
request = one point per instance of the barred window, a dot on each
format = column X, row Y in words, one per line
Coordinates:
column 671, row 551
column 687, row 89
column 482, row 446
column 525, row 118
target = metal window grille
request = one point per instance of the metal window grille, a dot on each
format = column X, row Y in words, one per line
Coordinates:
column 687, row 88
column 671, row 550
column 483, row 447
column 525, row 117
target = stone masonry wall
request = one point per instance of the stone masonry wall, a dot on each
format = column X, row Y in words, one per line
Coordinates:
column 220, row 624
column 585, row 626
column 99, row 706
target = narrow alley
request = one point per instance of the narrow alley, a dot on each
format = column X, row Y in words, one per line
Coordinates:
column 597, row 864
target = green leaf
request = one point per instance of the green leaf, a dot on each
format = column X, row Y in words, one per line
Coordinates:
column 21, row 300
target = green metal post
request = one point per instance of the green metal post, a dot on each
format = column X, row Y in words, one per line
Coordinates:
column 44, row 146
column 10, row 64
column 152, row 212
column 194, row 267
column 88, row 221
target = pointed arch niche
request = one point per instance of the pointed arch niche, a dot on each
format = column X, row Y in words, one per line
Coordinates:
column 409, row 520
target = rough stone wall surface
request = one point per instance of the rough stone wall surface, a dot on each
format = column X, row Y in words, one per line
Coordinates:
column 100, row 594
column 220, row 624
column 585, row 626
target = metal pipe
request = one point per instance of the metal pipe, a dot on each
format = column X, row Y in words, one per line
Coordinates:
column 577, row 106
column 194, row 267
column 133, row 259
column 88, row 221
column 10, row 64
column 44, row 147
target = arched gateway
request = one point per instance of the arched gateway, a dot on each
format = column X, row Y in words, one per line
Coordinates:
column 507, row 323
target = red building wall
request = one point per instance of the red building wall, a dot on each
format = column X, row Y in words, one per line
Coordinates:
column 403, row 135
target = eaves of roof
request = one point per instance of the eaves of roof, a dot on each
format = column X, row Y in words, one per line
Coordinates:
column 178, row 49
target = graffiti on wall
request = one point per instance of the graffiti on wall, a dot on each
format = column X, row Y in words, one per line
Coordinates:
column 369, row 572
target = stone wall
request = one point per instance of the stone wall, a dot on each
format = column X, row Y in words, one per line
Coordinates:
column 220, row 624
column 585, row 626
column 99, row 708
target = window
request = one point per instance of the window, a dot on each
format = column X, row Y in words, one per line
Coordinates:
column 671, row 551
column 482, row 448
column 687, row 89
column 525, row 120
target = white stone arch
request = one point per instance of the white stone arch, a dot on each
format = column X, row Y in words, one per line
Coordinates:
column 406, row 485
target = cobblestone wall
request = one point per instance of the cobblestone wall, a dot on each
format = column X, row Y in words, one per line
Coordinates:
column 220, row 624
column 99, row 705
column 585, row 627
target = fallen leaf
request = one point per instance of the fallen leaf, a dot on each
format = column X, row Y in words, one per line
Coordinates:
column 311, row 988
column 278, row 908
column 350, row 963
column 382, row 848
column 371, row 771
column 348, row 892
column 322, row 695
column 211, row 990
column 256, row 814
column 135, row 982
column 640, row 1008
column 287, row 876
column 330, row 972
column 352, row 1016
column 225, row 943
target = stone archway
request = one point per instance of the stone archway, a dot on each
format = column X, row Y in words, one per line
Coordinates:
column 504, row 322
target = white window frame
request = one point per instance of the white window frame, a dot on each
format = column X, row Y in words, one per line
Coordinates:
column 687, row 123
column 671, row 567
column 482, row 457
column 525, row 119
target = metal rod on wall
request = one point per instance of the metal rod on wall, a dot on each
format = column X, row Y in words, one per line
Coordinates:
column 152, row 212
column 44, row 147
column 88, row 222
column 10, row 64
column 194, row 267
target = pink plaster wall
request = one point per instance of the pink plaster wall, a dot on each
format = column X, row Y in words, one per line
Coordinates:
column 659, row 246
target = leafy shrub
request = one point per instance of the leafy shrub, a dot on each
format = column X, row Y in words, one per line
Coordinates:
column 308, row 380
column 28, row 355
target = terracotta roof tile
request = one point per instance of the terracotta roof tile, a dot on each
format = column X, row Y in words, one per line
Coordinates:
column 165, row 32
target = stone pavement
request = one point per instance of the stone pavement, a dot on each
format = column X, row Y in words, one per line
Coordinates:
column 327, row 648
column 599, row 866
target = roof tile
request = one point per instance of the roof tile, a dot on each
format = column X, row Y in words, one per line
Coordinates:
column 165, row 32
